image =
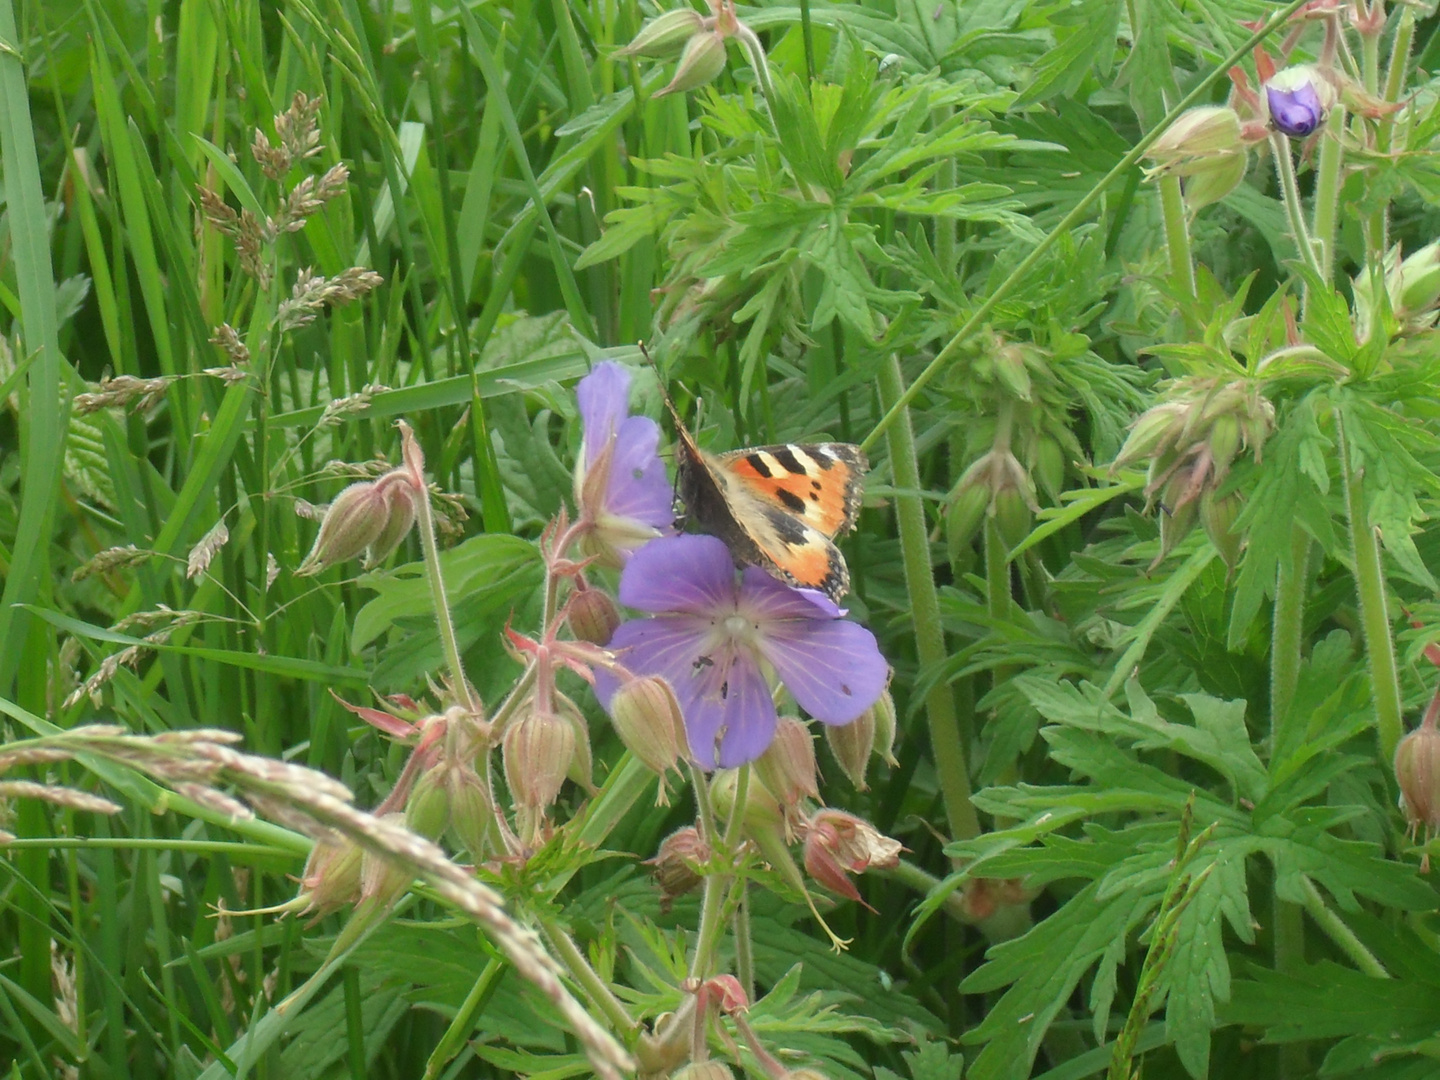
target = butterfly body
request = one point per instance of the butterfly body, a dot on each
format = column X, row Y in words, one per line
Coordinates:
column 777, row 507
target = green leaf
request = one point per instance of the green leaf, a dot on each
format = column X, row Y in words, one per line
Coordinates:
column 1085, row 40
column 1042, row 969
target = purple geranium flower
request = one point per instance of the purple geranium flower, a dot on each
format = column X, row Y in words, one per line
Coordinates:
column 717, row 642
column 1297, row 100
column 620, row 483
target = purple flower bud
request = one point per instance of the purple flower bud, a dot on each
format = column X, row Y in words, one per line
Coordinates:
column 1298, row 98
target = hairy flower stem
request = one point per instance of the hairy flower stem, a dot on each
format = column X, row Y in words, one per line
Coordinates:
column 1374, row 614
column 448, row 644
column 1327, row 194
column 1377, row 225
column 1343, row 937
column 744, row 947
column 1177, row 234
column 599, row 992
column 717, row 886
column 945, row 745
column 1294, row 210
column 1200, row 92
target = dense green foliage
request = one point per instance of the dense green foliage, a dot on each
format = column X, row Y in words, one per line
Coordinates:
column 1144, row 538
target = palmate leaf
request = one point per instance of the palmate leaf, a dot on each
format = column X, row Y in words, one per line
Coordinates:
column 1085, row 40
column 1290, row 490
column 1042, row 969
column 1383, row 445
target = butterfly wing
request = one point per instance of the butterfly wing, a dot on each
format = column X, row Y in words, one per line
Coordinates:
column 778, row 507
column 820, row 483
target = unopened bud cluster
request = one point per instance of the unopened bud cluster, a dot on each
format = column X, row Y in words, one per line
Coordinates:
column 372, row 517
column 699, row 41
column 1190, row 440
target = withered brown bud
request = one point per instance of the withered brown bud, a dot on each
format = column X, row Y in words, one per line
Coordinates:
column 838, row 844
column 678, row 863
column 593, row 616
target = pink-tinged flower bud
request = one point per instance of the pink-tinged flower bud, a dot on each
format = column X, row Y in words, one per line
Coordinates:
column 593, row 616
column 702, row 60
column 537, row 751
column 1217, row 515
column 381, row 881
column 582, row 768
column 838, row 844
column 355, row 519
column 703, row 1070
column 427, row 810
column 1417, row 770
column 1298, row 99
column 472, row 814
column 852, row 744
column 400, row 504
column 787, row 768
column 331, row 878
column 664, row 36
column 679, row 862
column 647, row 718
column 1153, row 433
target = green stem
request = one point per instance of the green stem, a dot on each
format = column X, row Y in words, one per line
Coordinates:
column 1374, row 614
column 1294, row 210
column 1327, row 191
column 945, row 745
column 599, row 992
column 744, row 947
column 1177, row 234
column 1378, row 223
column 448, row 643
column 1343, row 937
column 1200, row 92
column 1287, row 636
column 464, row 1022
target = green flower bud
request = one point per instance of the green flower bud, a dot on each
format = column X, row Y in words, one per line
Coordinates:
column 1155, row 430
column 1214, row 180
column 331, row 878
column 1420, row 281
column 965, row 514
column 1177, row 517
column 665, row 35
column 1217, row 515
column 1012, row 516
column 354, row 521
column 702, row 60
column 1203, row 132
column 427, row 811
column 1049, row 467
column 1225, row 440
column 472, row 814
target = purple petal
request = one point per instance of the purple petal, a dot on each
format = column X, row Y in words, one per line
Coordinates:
column 604, row 400
column 690, row 574
column 763, row 598
column 832, row 667
column 638, row 487
column 723, row 697
column 663, row 646
column 1296, row 112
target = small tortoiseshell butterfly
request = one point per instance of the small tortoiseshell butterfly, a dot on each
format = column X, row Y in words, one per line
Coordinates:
column 776, row 507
